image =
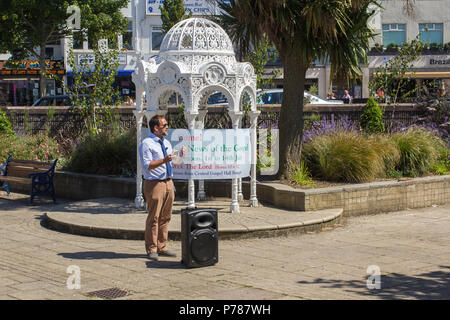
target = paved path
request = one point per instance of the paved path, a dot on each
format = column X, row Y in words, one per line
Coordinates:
column 410, row 248
column 119, row 219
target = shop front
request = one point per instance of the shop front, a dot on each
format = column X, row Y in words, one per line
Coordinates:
column 430, row 73
column 19, row 82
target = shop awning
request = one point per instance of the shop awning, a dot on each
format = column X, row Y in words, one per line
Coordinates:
column 119, row 73
column 426, row 74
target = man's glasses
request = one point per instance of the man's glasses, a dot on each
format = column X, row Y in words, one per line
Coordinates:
column 165, row 125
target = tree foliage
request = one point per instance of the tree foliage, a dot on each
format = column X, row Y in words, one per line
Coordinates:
column 302, row 31
column 28, row 26
column 172, row 12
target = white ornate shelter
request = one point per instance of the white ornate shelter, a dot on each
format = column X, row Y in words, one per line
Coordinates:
column 196, row 59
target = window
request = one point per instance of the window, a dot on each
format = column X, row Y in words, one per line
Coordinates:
column 394, row 34
column 157, row 38
column 431, row 32
column 49, row 52
column 127, row 37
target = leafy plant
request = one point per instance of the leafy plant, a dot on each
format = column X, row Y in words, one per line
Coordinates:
column 5, row 124
column 371, row 119
column 299, row 175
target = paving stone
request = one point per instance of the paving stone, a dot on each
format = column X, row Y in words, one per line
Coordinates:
column 411, row 248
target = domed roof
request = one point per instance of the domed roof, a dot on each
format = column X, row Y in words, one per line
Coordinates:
column 196, row 35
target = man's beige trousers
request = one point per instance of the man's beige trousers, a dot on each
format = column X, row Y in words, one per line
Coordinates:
column 159, row 196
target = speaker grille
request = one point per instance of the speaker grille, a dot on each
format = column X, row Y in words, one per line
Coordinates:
column 203, row 245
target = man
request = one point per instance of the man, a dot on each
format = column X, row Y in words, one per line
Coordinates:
column 156, row 156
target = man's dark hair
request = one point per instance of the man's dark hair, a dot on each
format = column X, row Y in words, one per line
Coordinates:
column 155, row 122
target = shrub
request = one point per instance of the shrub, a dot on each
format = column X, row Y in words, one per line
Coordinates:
column 107, row 153
column 5, row 124
column 37, row 147
column 371, row 119
column 419, row 150
column 343, row 156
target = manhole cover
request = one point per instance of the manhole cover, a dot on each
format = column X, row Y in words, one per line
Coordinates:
column 111, row 293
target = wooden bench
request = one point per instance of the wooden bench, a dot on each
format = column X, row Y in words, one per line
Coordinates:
column 39, row 175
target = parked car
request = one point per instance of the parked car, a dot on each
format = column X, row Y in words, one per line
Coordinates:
column 61, row 100
column 275, row 96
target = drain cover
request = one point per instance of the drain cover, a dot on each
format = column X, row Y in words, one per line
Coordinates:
column 111, row 293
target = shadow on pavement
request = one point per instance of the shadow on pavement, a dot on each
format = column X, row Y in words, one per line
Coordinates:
column 165, row 265
column 94, row 255
column 433, row 285
column 97, row 255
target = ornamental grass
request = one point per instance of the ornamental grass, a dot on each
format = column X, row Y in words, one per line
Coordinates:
column 345, row 156
column 419, row 150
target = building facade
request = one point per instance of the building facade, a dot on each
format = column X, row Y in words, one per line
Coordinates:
column 430, row 22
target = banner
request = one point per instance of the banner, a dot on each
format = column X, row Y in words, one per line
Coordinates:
column 197, row 7
column 209, row 154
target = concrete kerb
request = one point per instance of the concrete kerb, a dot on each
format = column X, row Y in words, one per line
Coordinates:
column 68, row 223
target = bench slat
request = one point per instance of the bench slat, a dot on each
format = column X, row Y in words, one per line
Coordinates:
column 30, row 164
column 15, row 179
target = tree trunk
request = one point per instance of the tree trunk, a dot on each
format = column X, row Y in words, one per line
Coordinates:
column 43, row 68
column 291, row 116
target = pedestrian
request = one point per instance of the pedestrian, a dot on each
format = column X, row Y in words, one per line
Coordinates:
column 346, row 96
column 331, row 96
column 156, row 155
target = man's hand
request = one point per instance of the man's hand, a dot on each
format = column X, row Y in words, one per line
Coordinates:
column 168, row 158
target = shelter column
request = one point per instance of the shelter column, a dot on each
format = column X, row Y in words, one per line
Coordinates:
column 253, row 126
column 234, row 207
column 240, row 196
column 201, row 195
column 190, row 119
column 139, row 200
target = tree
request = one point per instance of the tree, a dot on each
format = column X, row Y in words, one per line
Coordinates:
column 92, row 90
column 391, row 79
column 172, row 12
column 303, row 30
column 28, row 26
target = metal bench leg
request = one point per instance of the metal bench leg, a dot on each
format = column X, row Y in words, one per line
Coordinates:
column 32, row 194
column 52, row 192
column 6, row 186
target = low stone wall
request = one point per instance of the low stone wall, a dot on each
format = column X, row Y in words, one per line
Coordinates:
column 355, row 199
column 365, row 198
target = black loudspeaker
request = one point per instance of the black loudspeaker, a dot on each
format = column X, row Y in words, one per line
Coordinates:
column 199, row 237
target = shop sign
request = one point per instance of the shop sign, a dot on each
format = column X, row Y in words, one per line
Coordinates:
column 209, row 154
column 197, row 7
column 86, row 58
column 122, row 58
column 30, row 67
column 439, row 61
